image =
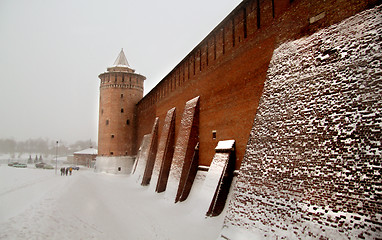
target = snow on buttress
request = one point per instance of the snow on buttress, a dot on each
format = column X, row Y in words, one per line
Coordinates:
column 225, row 145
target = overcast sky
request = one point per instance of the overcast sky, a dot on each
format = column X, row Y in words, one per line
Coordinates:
column 52, row 51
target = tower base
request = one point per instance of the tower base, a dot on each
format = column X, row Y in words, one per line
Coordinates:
column 115, row 165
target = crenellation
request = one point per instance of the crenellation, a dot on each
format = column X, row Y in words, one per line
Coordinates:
column 251, row 19
column 219, row 43
column 238, row 24
column 214, row 46
column 198, row 60
column 205, row 55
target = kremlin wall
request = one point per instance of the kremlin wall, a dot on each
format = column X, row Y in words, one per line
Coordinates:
column 228, row 68
column 283, row 99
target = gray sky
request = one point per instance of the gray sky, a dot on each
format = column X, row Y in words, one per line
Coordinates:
column 52, row 51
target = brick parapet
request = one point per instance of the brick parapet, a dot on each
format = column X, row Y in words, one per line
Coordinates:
column 245, row 25
column 228, row 68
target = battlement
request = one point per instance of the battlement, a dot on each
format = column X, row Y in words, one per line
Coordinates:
column 227, row 69
column 252, row 21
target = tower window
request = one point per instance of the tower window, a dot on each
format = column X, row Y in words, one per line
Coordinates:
column 122, row 95
column 127, row 122
column 121, row 110
column 101, row 111
column 123, row 77
column 214, row 134
column 107, row 122
column 111, row 153
column 112, row 135
column 115, row 79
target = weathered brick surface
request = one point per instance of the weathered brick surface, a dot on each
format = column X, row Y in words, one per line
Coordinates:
column 152, row 151
column 314, row 170
column 219, row 177
column 141, row 159
column 165, row 153
column 144, row 163
column 185, row 145
column 228, row 68
column 120, row 91
column 313, row 162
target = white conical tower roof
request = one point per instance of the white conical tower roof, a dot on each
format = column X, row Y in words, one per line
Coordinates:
column 121, row 60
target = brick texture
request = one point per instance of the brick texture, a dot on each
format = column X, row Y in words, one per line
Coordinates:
column 152, row 151
column 312, row 165
column 228, row 68
column 313, row 162
column 186, row 142
column 120, row 91
column 165, row 153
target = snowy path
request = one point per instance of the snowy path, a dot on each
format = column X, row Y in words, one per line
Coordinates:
column 37, row 204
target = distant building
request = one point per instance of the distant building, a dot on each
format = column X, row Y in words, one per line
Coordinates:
column 70, row 159
column 85, row 157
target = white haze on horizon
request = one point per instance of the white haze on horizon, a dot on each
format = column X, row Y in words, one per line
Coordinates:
column 51, row 53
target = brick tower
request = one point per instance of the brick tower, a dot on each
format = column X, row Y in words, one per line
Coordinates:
column 120, row 90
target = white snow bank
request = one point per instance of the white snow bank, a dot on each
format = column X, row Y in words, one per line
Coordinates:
column 37, row 204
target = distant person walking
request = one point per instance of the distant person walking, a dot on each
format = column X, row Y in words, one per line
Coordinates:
column 62, row 171
column 66, row 171
column 70, row 170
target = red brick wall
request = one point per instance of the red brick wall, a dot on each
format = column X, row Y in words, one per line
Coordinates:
column 228, row 68
column 312, row 168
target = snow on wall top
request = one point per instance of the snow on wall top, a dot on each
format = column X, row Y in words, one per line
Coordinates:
column 313, row 162
column 225, row 145
column 88, row 151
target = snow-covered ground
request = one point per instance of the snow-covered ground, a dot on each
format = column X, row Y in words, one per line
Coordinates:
column 38, row 204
